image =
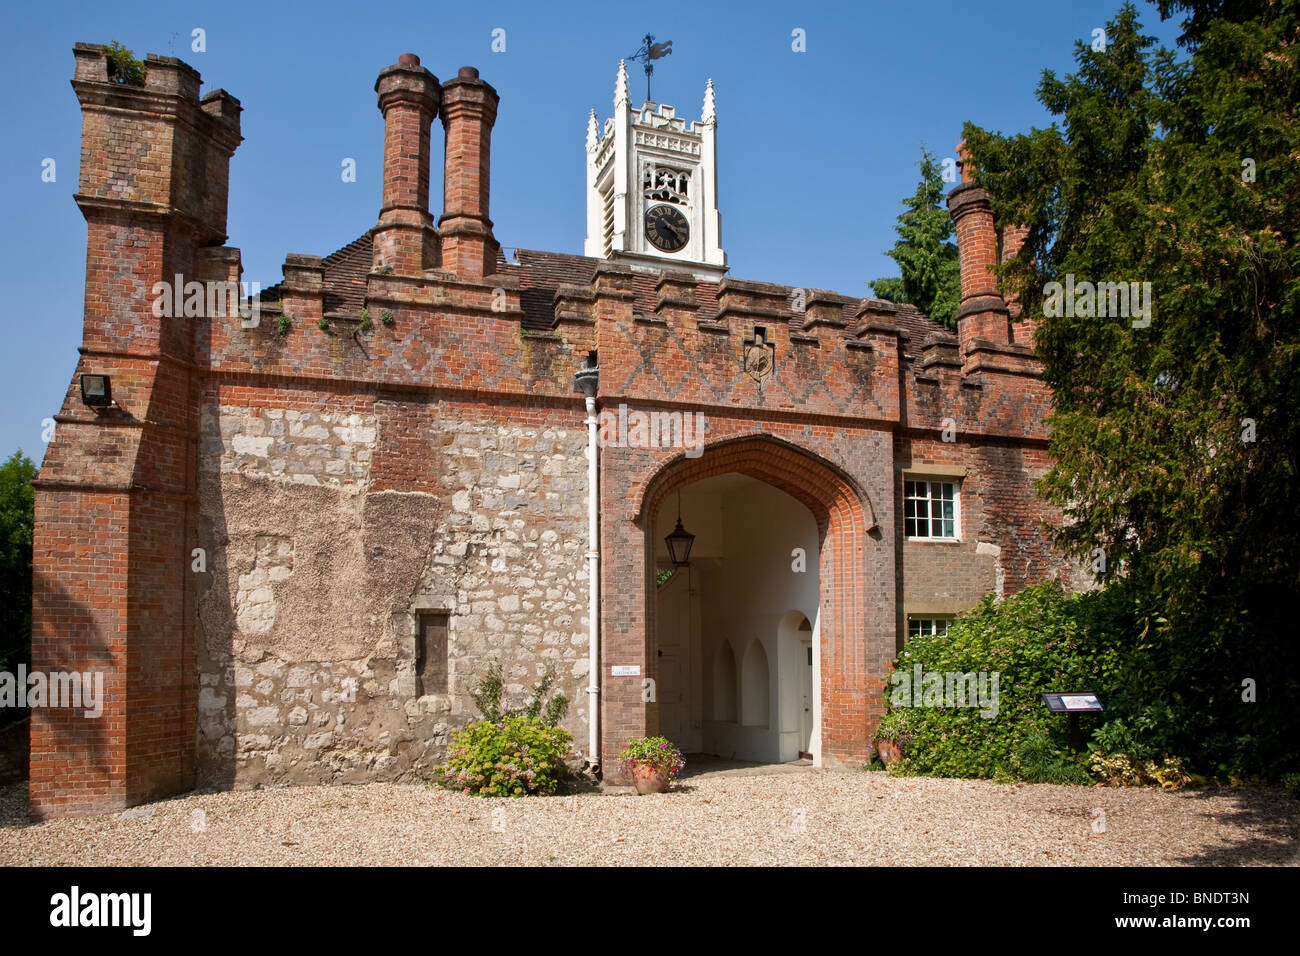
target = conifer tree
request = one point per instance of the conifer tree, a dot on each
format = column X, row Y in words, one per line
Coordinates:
column 1177, row 443
column 16, row 520
column 926, row 256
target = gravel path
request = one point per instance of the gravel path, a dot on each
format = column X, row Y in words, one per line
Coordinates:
column 735, row 817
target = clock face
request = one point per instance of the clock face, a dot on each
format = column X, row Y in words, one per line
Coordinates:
column 667, row 228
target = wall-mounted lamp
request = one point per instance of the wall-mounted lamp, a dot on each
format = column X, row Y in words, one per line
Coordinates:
column 96, row 391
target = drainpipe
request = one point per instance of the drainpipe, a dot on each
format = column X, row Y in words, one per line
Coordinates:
column 587, row 380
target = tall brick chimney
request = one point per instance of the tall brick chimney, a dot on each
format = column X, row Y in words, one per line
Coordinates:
column 1010, row 240
column 469, row 108
column 983, row 315
column 404, row 239
column 112, row 588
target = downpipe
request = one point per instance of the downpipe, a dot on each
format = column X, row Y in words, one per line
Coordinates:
column 586, row 380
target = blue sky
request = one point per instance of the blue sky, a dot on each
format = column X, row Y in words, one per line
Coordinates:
column 816, row 149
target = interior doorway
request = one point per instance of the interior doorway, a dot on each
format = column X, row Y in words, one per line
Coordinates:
column 736, row 652
column 805, row 688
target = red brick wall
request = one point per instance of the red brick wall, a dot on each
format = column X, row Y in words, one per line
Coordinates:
column 998, row 507
column 115, row 495
column 80, row 584
column 1011, row 239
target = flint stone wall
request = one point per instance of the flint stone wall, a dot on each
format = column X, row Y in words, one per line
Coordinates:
column 309, row 603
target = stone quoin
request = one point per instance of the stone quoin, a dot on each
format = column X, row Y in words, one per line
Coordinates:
column 293, row 555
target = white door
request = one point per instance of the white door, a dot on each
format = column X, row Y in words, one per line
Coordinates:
column 673, row 683
column 672, row 695
column 806, row 683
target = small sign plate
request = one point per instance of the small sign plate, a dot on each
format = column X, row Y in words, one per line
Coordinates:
column 626, row 670
column 1073, row 703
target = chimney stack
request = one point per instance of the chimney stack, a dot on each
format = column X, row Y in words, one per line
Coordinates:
column 983, row 315
column 1010, row 239
column 469, row 108
column 404, row 239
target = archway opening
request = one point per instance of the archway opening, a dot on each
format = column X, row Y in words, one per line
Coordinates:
column 734, row 651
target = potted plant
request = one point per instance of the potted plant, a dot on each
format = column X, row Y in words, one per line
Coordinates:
column 894, row 736
column 653, row 763
column 888, row 751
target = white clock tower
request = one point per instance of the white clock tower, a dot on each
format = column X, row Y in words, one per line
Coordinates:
column 652, row 187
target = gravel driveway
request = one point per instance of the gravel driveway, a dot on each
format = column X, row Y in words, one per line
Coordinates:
column 770, row 815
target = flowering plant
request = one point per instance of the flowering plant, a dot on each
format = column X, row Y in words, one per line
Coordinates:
column 656, row 752
column 516, row 757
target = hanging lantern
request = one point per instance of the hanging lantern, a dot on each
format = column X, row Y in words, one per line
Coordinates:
column 680, row 541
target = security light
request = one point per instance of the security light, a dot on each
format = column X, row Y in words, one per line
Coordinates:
column 96, row 391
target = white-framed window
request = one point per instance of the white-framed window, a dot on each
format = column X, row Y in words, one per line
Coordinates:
column 916, row 626
column 931, row 510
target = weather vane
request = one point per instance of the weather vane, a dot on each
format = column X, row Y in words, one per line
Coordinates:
column 651, row 51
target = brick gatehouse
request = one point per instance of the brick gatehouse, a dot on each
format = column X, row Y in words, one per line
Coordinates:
column 298, row 534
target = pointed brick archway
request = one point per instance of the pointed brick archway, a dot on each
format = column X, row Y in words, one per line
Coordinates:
column 850, row 691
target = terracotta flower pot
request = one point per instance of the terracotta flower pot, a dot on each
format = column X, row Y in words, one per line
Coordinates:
column 650, row 779
column 888, row 751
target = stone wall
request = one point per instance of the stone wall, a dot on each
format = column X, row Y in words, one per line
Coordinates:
column 317, row 573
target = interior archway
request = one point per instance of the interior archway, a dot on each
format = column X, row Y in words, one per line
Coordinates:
column 834, row 556
column 725, row 677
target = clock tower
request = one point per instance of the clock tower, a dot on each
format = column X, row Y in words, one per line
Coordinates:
column 652, row 187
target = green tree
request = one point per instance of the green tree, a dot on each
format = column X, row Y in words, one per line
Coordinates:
column 927, row 259
column 16, row 519
column 1176, row 441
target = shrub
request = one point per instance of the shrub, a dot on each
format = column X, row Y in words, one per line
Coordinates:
column 1134, row 749
column 509, row 752
column 487, row 698
column 1122, row 770
column 1141, row 734
column 657, row 752
column 123, row 67
column 517, row 757
column 366, row 325
column 1038, row 641
column 386, row 317
column 1037, row 759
